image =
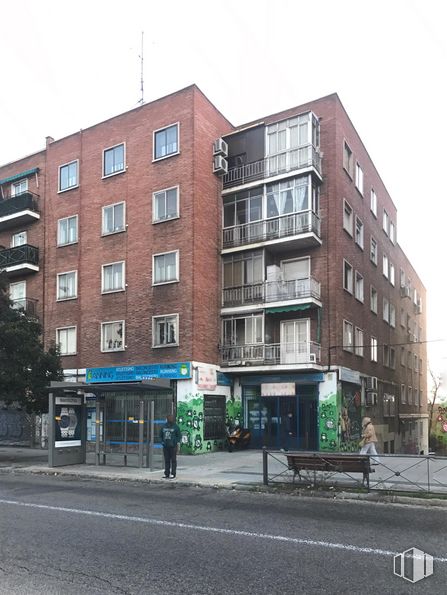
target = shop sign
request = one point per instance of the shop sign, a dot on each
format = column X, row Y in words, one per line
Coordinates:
column 207, row 377
column 347, row 375
column 278, row 389
column 175, row 371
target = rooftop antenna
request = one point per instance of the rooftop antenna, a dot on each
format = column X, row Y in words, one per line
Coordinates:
column 141, row 56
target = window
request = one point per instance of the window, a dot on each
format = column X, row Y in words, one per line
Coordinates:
column 416, row 363
column 19, row 239
column 359, row 232
column 359, row 342
column 403, row 394
column 347, row 276
column 402, row 356
column 386, row 356
column 113, row 218
column 165, row 204
column 347, row 159
column 403, row 317
column 166, row 142
column 359, row 286
column 68, row 176
column 248, row 330
column 283, row 198
column 348, row 218
column 288, row 143
column 385, row 223
column 373, row 203
column 410, row 395
column 165, row 268
column 66, row 339
column 348, row 338
column 359, row 178
column 386, row 310
column 17, row 295
column 373, row 299
column 392, row 274
column 112, row 336
column 392, row 316
column 165, row 331
column 113, row 277
column 19, row 187
column 67, row 231
column 67, row 285
column 392, row 358
column 243, row 269
column 420, row 365
column 416, row 397
column 385, row 266
column 113, row 160
column 392, row 232
column 374, row 253
column 373, row 349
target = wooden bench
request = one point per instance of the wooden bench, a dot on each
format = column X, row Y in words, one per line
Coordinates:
column 330, row 463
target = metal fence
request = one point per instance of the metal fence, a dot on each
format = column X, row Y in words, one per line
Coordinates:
column 391, row 473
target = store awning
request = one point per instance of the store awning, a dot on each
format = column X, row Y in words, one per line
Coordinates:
column 291, row 308
column 23, row 174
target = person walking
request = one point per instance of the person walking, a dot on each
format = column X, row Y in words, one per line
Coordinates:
column 369, row 439
column 170, row 438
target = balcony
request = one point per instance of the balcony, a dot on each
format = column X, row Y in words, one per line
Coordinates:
column 20, row 260
column 305, row 224
column 19, row 210
column 307, row 353
column 271, row 291
column 27, row 306
column 282, row 163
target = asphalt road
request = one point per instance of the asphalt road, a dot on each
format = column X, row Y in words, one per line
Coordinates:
column 61, row 536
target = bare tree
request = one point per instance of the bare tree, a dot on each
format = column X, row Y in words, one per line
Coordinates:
column 436, row 383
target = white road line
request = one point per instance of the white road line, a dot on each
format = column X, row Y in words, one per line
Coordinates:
column 148, row 521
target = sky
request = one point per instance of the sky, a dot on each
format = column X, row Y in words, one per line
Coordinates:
column 66, row 66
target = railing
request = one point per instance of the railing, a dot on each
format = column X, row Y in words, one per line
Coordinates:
column 284, row 162
column 271, row 291
column 10, row 257
column 27, row 201
column 272, row 229
column 392, row 473
column 306, row 352
column 26, row 305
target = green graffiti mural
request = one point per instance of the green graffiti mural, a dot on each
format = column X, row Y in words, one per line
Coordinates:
column 234, row 412
column 350, row 419
column 328, row 423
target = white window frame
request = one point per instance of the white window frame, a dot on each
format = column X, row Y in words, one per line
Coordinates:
column 112, row 206
column 374, row 251
column 392, row 274
column 385, row 222
column 392, row 315
column 154, row 133
column 348, row 345
column 177, row 267
column 19, row 183
column 385, row 266
column 165, row 190
column 60, row 190
column 359, row 287
column 392, row 233
column 373, row 203
column 359, row 341
column 348, row 267
column 154, row 329
column 123, row 274
column 359, row 231
column 17, row 235
column 348, row 159
column 374, row 347
column 403, row 394
column 348, row 220
column 374, row 299
column 72, row 297
column 67, row 328
column 386, row 310
column 359, row 177
column 120, row 171
column 59, row 221
column 123, row 337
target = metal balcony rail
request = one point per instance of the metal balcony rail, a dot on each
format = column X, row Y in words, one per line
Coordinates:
column 306, row 352
column 284, row 162
column 272, row 229
column 392, row 473
column 271, row 291
column 26, row 305
column 19, row 255
column 27, row 201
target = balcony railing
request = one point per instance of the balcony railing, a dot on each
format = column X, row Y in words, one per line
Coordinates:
column 281, row 163
column 271, row 291
column 27, row 201
column 19, row 255
column 272, row 229
column 26, row 305
column 307, row 352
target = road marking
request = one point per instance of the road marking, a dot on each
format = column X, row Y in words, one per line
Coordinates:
column 148, row 521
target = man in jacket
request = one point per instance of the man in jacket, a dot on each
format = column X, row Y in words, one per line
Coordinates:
column 369, row 439
column 170, row 438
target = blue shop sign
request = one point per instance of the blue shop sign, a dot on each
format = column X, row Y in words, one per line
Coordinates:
column 176, row 371
column 223, row 379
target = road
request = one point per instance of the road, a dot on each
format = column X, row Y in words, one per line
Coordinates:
column 62, row 536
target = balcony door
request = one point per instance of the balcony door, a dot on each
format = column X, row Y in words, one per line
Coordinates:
column 17, row 294
column 295, row 274
column 295, row 336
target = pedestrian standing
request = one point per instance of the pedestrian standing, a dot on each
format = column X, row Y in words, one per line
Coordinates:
column 170, row 438
column 369, row 439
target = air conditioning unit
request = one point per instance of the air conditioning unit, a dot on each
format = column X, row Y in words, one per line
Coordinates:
column 371, row 399
column 312, row 358
column 220, row 165
column 371, row 383
column 405, row 291
column 220, row 147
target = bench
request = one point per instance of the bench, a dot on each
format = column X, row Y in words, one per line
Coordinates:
column 330, row 463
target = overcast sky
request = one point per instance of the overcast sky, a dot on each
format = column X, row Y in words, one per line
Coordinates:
column 65, row 66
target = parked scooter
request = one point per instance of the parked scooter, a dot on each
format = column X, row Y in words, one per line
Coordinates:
column 237, row 438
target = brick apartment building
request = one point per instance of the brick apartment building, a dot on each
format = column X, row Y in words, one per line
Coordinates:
column 257, row 268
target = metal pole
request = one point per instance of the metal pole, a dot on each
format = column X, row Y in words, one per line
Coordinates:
column 141, row 434
column 265, row 466
column 152, row 436
column 51, row 431
column 97, row 430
